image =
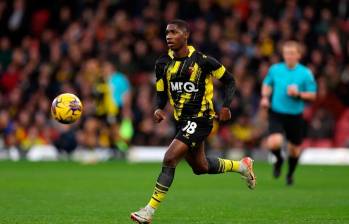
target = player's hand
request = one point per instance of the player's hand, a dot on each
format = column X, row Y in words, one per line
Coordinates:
column 265, row 102
column 224, row 114
column 159, row 115
column 292, row 90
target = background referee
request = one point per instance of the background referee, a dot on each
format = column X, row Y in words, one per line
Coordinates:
column 288, row 85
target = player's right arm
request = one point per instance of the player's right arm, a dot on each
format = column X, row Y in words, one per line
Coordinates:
column 161, row 95
column 267, row 89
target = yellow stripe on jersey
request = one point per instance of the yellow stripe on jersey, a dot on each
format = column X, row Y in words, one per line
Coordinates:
column 207, row 100
column 219, row 72
column 160, row 85
column 170, row 53
column 210, row 97
column 185, row 97
column 203, row 105
column 190, row 48
column 172, row 70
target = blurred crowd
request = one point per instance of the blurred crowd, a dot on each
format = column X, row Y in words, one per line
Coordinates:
column 104, row 51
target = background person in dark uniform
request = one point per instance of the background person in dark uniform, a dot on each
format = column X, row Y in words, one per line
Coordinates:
column 289, row 85
column 184, row 78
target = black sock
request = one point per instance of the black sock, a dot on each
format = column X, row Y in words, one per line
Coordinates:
column 277, row 154
column 166, row 176
column 292, row 164
column 213, row 166
column 163, row 183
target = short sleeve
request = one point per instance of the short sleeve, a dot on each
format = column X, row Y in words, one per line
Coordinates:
column 215, row 68
column 268, row 80
column 310, row 83
column 126, row 84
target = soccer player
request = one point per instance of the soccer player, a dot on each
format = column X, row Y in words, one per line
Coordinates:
column 289, row 85
column 184, row 77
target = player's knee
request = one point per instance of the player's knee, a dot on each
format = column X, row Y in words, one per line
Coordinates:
column 274, row 141
column 294, row 150
column 200, row 170
column 170, row 161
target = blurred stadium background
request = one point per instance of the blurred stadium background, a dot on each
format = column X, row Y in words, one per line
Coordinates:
column 104, row 51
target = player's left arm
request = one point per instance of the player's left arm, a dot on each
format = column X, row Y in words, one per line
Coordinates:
column 309, row 94
column 161, row 96
column 227, row 79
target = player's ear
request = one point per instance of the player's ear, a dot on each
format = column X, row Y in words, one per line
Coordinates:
column 186, row 35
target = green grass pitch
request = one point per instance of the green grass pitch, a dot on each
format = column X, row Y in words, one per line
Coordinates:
column 67, row 192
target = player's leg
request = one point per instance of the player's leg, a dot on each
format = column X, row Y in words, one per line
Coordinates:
column 274, row 141
column 196, row 158
column 201, row 164
column 294, row 129
column 293, row 157
column 174, row 154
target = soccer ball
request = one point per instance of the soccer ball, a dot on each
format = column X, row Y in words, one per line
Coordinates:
column 66, row 108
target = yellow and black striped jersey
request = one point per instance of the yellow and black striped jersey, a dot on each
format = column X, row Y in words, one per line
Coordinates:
column 187, row 83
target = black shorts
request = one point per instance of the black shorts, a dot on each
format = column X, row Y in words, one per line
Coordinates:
column 193, row 131
column 292, row 126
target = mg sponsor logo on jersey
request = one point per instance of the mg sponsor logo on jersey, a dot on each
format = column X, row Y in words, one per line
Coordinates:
column 188, row 87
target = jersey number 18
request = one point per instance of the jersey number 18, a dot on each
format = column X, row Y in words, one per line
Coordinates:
column 190, row 127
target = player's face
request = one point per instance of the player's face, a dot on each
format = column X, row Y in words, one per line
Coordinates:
column 291, row 55
column 176, row 38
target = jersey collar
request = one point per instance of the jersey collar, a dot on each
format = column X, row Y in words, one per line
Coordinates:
column 190, row 48
column 288, row 68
